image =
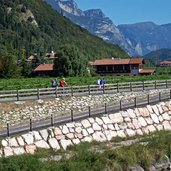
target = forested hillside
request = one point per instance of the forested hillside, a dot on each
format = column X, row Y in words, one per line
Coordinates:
column 33, row 26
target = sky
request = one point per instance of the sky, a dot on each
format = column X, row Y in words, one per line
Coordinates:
column 131, row 11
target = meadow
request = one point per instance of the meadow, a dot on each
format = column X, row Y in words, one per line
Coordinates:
column 43, row 82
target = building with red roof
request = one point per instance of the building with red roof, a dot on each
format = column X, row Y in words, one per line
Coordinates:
column 165, row 63
column 119, row 66
column 44, row 70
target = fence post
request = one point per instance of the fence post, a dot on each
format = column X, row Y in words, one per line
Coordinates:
column 130, row 86
column 148, row 99
column 143, row 85
column 56, row 92
column 31, row 128
column 159, row 96
column 118, row 87
column 52, row 120
column 72, row 117
column 8, row 130
column 103, row 89
column 18, row 97
column 170, row 94
column 89, row 111
column 120, row 102
column 135, row 102
column 155, row 84
column 166, row 84
column 105, row 108
column 72, row 91
column 38, row 94
column 88, row 89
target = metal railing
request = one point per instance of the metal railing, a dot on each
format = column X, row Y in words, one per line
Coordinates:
column 74, row 115
column 42, row 93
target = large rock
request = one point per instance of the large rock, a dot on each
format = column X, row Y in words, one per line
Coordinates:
column 166, row 116
column 8, row 151
column 155, row 109
column 99, row 121
column 116, row 118
column 20, row 141
column 44, row 134
column 42, row 144
column 4, row 143
column 149, row 108
column 111, row 127
column 90, row 130
column 70, row 136
column 96, row 127
column 36, row 135
column 18, row 151
column 13, row 142
column 28, row 138
column 78, row 130
column 57, row 131
column 151, row 128
column 149, row 121
column 131, row 113
column 86, row 123
column 76, row 141
column 65, row 143
column 159, row 127
column 99, row 136
column 84, row 132
column 54, row 143
column 130, row 132
column 142, row 121
column 166, row 125
column 154, row 117
column 106, row 120
column 121, row 133
column 30, row 149
column 65, row 129
column 60, row 137
column 87, row 139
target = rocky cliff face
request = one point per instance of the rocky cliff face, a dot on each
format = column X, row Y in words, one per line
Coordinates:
column 94, row 21
column 136, row 39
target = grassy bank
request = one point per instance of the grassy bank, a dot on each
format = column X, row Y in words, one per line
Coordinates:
column 80, row 157
column 26, row 83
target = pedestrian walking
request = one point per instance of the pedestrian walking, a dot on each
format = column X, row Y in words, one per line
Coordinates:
column 63, row 84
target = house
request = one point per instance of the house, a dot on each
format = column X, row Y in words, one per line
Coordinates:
column 118, row 66
column 51, row 55
column 32, row 58
column 165, row 64
column 44, row 70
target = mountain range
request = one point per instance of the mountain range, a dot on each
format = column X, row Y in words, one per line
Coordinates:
column 29, row 27
column 136, row 39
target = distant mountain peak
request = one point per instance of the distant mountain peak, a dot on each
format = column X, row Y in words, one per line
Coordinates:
column 95, row 13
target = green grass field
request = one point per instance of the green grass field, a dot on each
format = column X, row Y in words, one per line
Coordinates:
column 27, row 83
column 42, row 82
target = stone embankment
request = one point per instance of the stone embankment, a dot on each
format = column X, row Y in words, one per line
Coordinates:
column 129, row 123
column 20, row 112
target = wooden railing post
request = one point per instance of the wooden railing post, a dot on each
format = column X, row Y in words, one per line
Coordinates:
column 89, row 90
column 143, row 85
column 38, row 93
column 155, row 84
column 89, row 111
column 72, row 93
column 148, row 99
column 52, row 120
column 72, row 115
column 135, row 102
column 103, row 89
column 105, row 108
column 118, row 87
column 18, row 96
column 120, row 102
column 130, row 86
column 31, row 126
column 159, row 96
column 166, row 84
column 8, row 130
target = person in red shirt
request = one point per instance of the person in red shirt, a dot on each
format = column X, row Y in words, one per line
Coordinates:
column 62, row 84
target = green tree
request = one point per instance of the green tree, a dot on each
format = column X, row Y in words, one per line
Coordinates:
column 70, row 62
column 8, row 66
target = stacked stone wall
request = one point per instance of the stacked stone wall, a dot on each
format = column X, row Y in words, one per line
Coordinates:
column 131, row 122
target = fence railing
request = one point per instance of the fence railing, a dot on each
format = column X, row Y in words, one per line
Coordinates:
column 42, row 93
column 73, row 115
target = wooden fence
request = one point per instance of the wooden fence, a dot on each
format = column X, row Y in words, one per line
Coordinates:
column 42, row 93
